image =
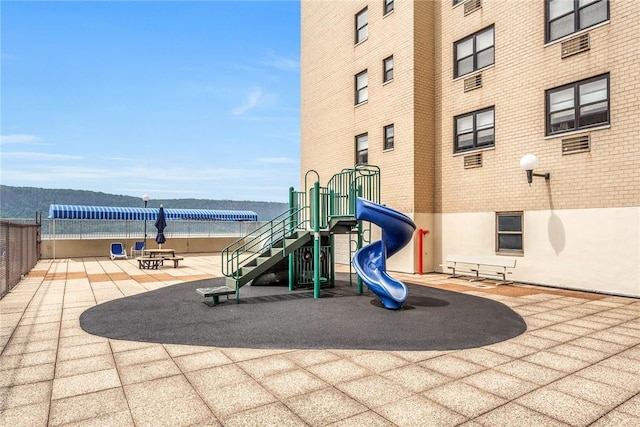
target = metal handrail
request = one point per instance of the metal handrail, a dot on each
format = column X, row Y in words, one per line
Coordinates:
column 252, row 245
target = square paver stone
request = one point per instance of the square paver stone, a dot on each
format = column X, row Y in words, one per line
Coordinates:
column 513, row 414
column 35, row 414
column 602, row 394
column 207, row 381
column 324, row 406
column 419, row 411
column 265, row 366
column 159, row 390
column 184, row 411
column 379, row 361
column 369, row 419
column 416, row 378
column 238, row 397
column 464, row 399
column 196, row 361
column 130, row 374
column 275, row 414
column 452, row 366
column 87, row 406
column 85, row 383
column 561, row 406
column 532, row 372
column 24, row 394
column 374, row 391
column 338, row 371
column 73, row 367
column 500, row 384
column 292, row 383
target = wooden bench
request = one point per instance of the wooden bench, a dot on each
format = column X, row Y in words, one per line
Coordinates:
column 175, row 260
column 147, row 262
column 215, row 293
column 150, row 262
column 481, row 268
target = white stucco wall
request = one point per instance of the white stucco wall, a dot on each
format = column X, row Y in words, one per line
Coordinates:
column 587, row 249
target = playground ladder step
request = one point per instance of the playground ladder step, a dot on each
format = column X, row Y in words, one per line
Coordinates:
column 342, row 224
column 265, row 261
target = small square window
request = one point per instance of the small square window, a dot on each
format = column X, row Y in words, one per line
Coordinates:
column 362, row 148
column 362, row 25
column 388, row 7
column 387, row 74
column 509, row 232
column 388, row 137
column 362, row 87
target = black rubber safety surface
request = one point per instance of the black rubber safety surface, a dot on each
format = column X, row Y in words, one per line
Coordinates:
column 273, row 317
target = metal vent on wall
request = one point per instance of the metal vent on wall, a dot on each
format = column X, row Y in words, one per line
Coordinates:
column 576, row 144
column 472, row 83
column 473, row 161
column 471, row 6
column 576, row 45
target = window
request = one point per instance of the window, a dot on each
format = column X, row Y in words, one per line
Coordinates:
column 474, row 130
column 474, row 52
column 388, row 7
column 362, row 25
column 509, row 232
column 362, row 148
column 579, row 105
column 387, row 64
column 455, row 2
column 362, row 87
column 388, row 138
column 568, row 16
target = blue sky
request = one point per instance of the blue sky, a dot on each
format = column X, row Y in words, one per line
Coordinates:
column 185, row 99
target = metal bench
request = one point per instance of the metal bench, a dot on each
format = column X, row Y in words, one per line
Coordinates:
column 481, row 268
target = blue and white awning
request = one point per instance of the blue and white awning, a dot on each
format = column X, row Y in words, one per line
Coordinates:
column 149, row 214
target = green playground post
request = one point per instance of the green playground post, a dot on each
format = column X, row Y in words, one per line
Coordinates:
column 291, row 262
column 359, row 281
column 316, row 239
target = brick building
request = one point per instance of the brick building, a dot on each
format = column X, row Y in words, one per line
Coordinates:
column 447, row 96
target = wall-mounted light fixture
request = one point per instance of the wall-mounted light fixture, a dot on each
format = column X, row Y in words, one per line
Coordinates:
column 529, row 162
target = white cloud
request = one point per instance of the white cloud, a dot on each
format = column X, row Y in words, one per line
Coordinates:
column 18, row 138
column 33, row 155
column 281, row 63
column 252, row 101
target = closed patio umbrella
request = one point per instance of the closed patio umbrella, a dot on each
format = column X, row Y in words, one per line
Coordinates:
column 160, row 224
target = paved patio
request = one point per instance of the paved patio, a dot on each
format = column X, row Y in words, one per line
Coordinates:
column 577, row 364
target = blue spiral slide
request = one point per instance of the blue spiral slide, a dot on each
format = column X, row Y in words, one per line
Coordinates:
column 370, row 262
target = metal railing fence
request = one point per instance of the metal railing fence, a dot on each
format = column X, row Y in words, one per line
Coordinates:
column 19, row 252
column 53, row 229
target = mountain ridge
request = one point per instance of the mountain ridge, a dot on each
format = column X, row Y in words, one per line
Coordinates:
column 24, row 202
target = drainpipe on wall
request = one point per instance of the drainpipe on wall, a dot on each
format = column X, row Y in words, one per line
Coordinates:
column 421, row 234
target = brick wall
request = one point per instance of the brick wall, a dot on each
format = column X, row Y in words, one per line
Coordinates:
column 607, row 176
column 421, row 174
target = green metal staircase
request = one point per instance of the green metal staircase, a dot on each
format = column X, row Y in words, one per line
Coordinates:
column 331, row 210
